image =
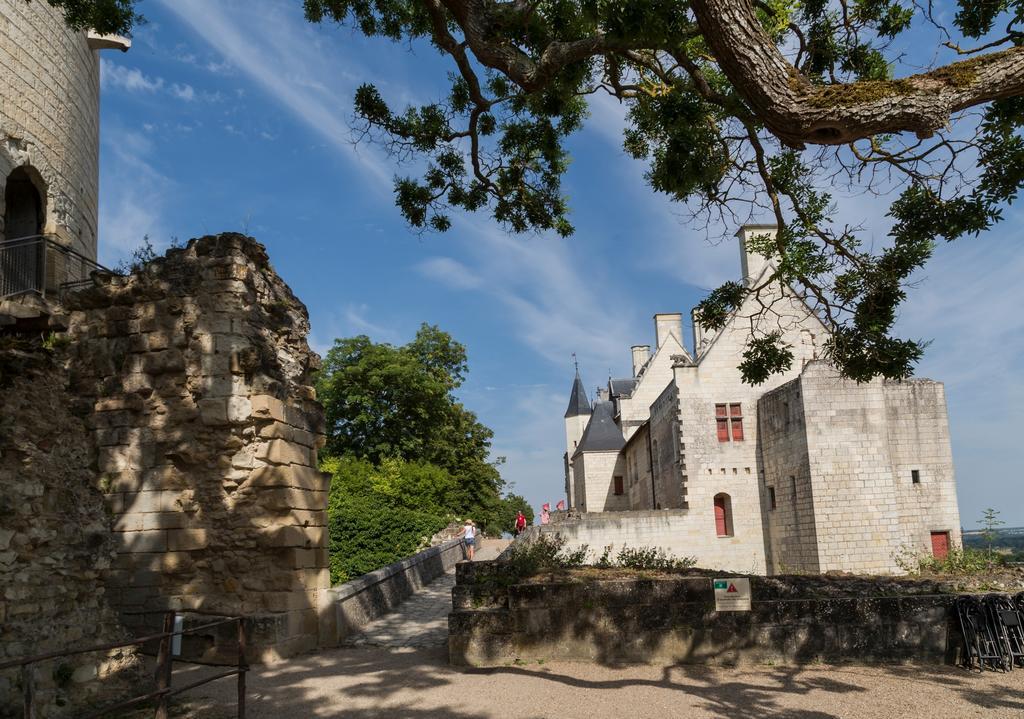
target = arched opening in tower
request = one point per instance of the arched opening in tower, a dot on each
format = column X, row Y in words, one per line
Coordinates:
column 23, row 206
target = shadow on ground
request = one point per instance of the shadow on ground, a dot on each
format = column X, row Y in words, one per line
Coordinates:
column 363, row 682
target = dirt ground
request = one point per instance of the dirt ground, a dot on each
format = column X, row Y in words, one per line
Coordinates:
column 364, row 682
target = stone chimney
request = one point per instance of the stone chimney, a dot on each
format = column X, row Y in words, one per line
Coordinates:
column 751, row 264
column 698, row 331
column 641, row 353
column 668, row 323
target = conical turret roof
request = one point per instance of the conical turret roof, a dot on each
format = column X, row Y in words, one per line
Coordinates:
column 578, row 402
column 601, row 434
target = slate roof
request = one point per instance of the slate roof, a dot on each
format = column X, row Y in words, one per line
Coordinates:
column 601, row 434
column 622, row 387
column 578, row 402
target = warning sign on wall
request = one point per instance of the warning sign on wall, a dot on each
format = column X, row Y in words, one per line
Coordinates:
column 732, row 595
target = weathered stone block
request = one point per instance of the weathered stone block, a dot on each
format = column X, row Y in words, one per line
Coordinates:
column 214, row 411
column 284, row 499
column 278, row 451
column 186, row 539
column 297, row 476
column 265, row 406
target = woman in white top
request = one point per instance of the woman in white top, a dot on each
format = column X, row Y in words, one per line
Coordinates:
column 469, row 534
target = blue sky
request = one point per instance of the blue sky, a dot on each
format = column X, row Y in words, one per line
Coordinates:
column 235, row 116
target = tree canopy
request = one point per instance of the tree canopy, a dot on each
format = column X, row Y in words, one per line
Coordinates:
column 383, row 402
column 743, row 109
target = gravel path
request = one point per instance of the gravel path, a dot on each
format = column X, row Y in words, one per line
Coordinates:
column 365, row 682
column 399, row 668
column 422, row 619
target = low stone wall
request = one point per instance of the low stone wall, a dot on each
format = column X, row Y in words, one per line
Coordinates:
column 354, row 604
column 612, row 616
column 678, row 531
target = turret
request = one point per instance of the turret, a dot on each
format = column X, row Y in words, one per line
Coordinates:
column 576, row 417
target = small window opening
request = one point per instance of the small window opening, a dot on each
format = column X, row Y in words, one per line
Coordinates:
column 618, row 485
column 771, row 498
column 915, row 476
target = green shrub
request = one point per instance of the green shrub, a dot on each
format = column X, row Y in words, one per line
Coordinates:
column 956, row 562
column 366, row 535
column 545, row 552
column 653, row 558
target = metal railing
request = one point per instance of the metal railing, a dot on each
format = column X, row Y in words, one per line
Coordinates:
column 42, row 265
column 162, row 673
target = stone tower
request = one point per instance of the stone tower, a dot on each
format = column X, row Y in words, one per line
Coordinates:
column 49, row 126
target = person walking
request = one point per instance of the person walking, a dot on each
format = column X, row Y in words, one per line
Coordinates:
column 468, row 533
column 520, row 522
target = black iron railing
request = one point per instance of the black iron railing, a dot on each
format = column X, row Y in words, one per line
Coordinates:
column 40, row 264
column 163, row 671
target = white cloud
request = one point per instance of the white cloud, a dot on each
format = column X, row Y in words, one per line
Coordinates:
column 183, row 92
column 114, row 76
column 129, row 79
column 449, row 272
column 278, row 61
column 557, row 302
column 134, row 196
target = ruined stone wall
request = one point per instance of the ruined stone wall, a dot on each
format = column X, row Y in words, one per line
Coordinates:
column 55, row 543
column 49, row 117
column 194, row 376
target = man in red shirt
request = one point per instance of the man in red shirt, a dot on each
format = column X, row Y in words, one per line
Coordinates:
column 520, row 522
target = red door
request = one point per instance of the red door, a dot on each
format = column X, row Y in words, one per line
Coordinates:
column 940, row 544
column 721, row 520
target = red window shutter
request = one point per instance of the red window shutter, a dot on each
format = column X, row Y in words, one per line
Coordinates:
column 720, row 410
column 940, row 545
column 737, row 430
column 721, row 523
column 734, row 410
column 723, row 430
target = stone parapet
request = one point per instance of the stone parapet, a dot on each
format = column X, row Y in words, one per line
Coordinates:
column 354, row 604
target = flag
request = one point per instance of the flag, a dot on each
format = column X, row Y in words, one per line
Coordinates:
column 546, row 507
column 561, row 505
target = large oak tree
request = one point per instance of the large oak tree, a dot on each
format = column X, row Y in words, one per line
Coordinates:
column 742, row 108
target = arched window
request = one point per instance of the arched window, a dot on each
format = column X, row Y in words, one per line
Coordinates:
column 723, row 515
column 23, row 205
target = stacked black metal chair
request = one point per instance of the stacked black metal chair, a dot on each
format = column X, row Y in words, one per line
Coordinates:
column 982, row 645
column 1008, row 624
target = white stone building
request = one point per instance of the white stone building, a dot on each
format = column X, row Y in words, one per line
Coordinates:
column 806, row 472
column 49, row 129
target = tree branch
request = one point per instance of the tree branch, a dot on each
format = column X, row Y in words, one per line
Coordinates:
column 798, row 112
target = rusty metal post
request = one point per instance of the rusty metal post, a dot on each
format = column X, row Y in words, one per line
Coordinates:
column 243, row 667
column 28, row 690
column 163, row 666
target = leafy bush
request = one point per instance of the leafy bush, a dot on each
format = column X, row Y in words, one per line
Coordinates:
column 545, row 552
column 366, row 535
column 653, row 558
column 956, row 562
column 377, row 515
